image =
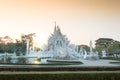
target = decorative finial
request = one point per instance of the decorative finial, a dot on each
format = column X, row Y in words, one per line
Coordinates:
column 58, row 28
column 55, row 27
column 55, row 23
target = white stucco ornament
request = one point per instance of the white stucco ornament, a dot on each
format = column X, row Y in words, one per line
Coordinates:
column 61, row 53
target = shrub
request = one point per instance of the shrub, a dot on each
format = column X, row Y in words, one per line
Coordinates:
column 61, row 76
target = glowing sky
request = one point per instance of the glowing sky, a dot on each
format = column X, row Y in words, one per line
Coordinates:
column 80, row 20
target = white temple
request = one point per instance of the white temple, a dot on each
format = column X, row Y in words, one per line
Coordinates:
column 58, row 45
column 60, row 48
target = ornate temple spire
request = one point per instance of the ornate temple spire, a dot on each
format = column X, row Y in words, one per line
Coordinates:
column 55, row 27
column 58, row 29
column 55, row 23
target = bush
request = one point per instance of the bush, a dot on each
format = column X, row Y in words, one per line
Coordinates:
column 61, row 76
column 22, row 60
column 111, row 58
column 8, row 60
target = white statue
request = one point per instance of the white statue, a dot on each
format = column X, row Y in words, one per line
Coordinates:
column 85, row 54
column 104, row 54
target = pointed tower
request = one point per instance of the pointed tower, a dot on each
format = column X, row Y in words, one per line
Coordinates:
column 55, row 28
column 58, row 30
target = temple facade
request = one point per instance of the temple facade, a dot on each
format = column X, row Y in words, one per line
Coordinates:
column 60, row 48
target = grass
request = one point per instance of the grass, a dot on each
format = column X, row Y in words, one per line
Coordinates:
column 111, row 58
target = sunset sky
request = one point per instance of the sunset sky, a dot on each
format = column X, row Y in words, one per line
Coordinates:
column 80, row 20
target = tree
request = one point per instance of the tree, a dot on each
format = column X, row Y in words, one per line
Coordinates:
column 2, row 46
column 99, row 49
column 6, row 45
column 20, row 48
column 114, row 49
column 30, row 37
column 103, row 43
column 87, row 48
column 108, row 44
column 31, row 40
column 9, row 48
column 7, row 37
column 114, row 46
